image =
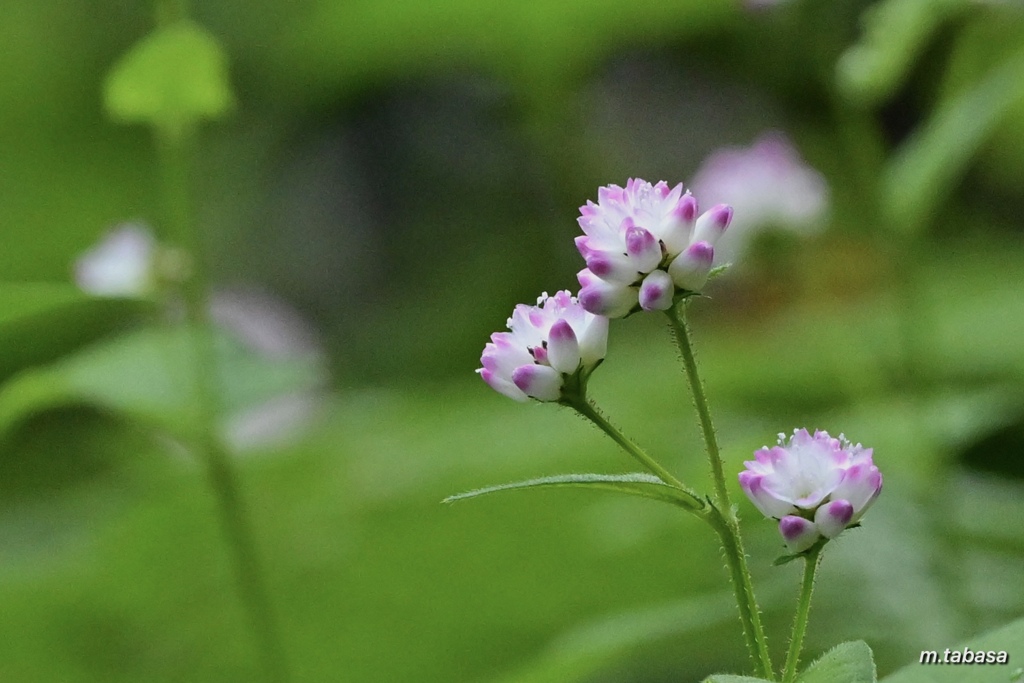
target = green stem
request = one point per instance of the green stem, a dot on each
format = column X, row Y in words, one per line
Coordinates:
column 724, row 521
column 590, row 411
column 812, row 559
column 750, row 614
column 175, row 155
column 682, row 337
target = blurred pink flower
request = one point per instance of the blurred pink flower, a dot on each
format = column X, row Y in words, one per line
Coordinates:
column 767, row 184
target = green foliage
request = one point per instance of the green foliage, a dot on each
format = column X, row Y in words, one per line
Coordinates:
column 845, row 663
column 172, row 78
column 634, row 484
column 729, row 678
column 40, row 322
column 146, row 375
column 895, row 34
column 1009, row 638
column 923, row 172
column 580, row 654
column 988, row 40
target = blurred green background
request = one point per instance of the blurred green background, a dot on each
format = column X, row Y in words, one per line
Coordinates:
column 402, row 174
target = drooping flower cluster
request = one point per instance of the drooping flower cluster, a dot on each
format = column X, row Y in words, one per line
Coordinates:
column 642, row 243
column 816, row 486
column 547, row 344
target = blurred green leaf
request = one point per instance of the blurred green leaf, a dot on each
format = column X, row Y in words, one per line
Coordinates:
column 988, row 39
column 146, row 375
column 580, row 654
column 634, row 484
column 895, row 33
column 729, row 678
column 936, row 155
column 41, row 321
column 845, row 663
column 173, row 77
column 1009, row 638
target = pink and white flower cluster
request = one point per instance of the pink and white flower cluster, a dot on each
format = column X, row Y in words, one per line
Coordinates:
column 816, row 486
column 547, row 344
column 642, row 243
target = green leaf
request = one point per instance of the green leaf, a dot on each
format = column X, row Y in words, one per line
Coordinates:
column 937, row 154
column 634, row 484
column 171, row 78
column 729, row 678
column 146, row 375
column 845, row 663
column 895, row 33
column 41, row 321
column 1008, row 639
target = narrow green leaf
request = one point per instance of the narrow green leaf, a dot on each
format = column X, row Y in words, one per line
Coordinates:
column 1008, row 640
column 895, row 34
column 171, row 78
column 845, row 663
column 729, row 678
column 634, row 484
column 784, row 559
column 937, row 154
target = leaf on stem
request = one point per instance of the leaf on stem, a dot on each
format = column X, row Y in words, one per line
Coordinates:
column 635, row 484
column 173, row 77
column 850, row 662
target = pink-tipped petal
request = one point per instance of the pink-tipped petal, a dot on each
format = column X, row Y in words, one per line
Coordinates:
column 612, row 267
column 798, row 533
column 593, row 339
column 860, row 485
column 679, row 226
column 769, row 505
column 538, row 381
column 690, row 269
column 501, row 385
column 831, row 518
column 656, row 291
column 712, row 223
column 643, row 249
column 607, row 299
column 563, row 351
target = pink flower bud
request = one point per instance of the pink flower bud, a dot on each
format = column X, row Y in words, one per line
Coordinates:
column 712, row 223
column 690, row 269
column 656, row 291
column 798, row 533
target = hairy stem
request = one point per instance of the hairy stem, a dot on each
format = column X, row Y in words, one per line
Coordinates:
column 803, row 608
column 723, row 519
column 590, row 411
